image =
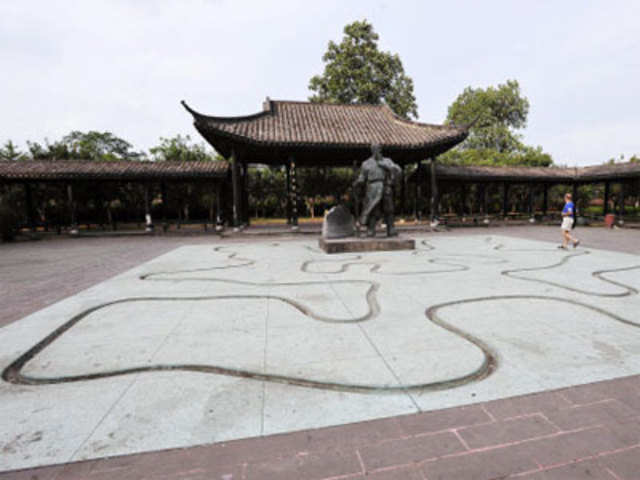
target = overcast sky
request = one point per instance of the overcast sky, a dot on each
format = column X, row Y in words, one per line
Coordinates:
column 124, row 66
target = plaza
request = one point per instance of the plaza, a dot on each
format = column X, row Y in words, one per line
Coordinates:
column 198, row 342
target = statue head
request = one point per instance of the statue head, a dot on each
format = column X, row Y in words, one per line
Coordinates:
column 376, row 151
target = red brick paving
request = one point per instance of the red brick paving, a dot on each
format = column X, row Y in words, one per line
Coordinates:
column 546, row 440
column 584, row 432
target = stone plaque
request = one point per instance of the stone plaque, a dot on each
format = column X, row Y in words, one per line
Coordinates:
column 338, row 223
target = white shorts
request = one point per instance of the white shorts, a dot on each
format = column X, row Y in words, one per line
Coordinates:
column 567, row 223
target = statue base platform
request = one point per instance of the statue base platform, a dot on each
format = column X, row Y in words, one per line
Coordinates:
column 368, row 244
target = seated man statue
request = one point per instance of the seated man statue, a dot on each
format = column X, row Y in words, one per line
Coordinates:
column 377, row 177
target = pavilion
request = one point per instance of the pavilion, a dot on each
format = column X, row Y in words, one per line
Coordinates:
column 538, row 180
column 69, row 174
column 305, row 134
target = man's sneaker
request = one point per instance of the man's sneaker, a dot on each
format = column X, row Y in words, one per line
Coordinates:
column 562, row 247
column 576, row 243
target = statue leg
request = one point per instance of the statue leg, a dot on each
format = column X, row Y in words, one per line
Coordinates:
column 388, row 214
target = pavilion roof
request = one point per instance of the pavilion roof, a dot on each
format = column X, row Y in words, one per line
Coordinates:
column 306, row 127
column 551, row 174
column 49, row 170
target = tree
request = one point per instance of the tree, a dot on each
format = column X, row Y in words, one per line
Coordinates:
column 11, row 152
column 494, row 114
column 357, row 72
column 181, row 149
column 95, row 145
column 90, row 145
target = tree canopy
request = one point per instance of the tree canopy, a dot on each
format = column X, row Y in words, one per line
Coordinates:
column 91, row 145
column 180, row 148
column 357, row 72
column 495, row 115
column 9, row 151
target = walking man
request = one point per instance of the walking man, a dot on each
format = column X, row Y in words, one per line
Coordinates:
column 568, row 217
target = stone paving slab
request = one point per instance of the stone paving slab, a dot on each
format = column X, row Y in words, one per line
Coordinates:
column 615, row 411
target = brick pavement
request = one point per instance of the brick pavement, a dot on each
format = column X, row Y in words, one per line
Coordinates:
column 584, row 432
column 589, row 431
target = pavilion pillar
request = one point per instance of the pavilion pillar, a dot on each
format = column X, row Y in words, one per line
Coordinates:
column 505, row 199
column 435, row 199
column 532, row 210
column 607, row 192
column 356, row 203
column 574, row 194
column 245, row 193
column 219, row 220
column 621, row 203
column 403, row 191
column 235, row 181
column 147, row 208
column 28, row 193
column 484, row 191
column 294, row 193
column 545, row 199
column 417, row 193
column 165, row 206
column 72, row 210
column 463, row 199
column 288, row 182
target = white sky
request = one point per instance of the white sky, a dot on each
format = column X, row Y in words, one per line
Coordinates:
column 123, row 66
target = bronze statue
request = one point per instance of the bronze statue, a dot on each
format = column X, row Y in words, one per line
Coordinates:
column 377, row 177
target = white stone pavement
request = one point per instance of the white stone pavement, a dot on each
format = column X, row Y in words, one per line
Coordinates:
column 354, row 326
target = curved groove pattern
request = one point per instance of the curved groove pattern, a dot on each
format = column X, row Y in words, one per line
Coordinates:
column 490, row 363
column 628, row 290
column 231, row 256
column 374, row 267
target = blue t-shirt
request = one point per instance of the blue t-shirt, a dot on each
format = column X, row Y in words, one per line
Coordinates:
column 569, row 208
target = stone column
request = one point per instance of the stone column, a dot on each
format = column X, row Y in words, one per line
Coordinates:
column 72, row 210
column 545, row 199
column 147, row 208
column 574, row 194
column 356, row 203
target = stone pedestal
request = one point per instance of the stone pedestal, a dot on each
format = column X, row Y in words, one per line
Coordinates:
column 375, row 244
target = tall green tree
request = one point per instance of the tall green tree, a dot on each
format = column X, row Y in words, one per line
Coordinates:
column 495, row 115
column 91, row 145
column 357, row 72
column 181, row 148
column 9, row 151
